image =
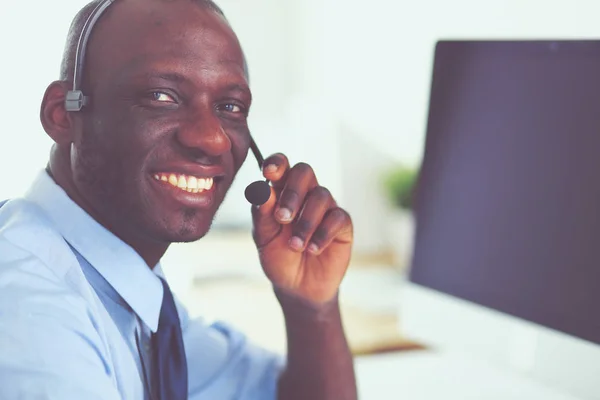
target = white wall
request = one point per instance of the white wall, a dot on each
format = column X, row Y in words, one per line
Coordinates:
column 32, row 44
column 379, row 53
column 320, row 69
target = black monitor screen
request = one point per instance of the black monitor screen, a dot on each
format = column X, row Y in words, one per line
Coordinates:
column 508, row 200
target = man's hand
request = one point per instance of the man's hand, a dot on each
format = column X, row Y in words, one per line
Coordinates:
column 304, row 242
column 303, row 238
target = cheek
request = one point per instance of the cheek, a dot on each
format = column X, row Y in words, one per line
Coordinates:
column 95, row 171
column 134, row 141
column 240, row 144
column 108, row 154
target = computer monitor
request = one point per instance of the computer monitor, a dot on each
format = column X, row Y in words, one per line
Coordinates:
column 506, row 262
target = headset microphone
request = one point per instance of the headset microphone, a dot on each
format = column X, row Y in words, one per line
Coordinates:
column 258, row 192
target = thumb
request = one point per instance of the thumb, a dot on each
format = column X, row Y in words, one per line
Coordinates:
column 266, row 226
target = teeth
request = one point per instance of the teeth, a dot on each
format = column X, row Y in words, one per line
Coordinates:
column 182, row 184
column 190, row 184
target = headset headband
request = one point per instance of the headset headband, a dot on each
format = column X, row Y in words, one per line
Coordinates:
column 75, row 99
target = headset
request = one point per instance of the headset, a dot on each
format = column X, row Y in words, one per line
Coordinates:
column 257, row 193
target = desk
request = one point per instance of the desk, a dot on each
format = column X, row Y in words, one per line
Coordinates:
column 428, row 375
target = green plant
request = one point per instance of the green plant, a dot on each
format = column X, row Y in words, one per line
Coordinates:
column 399, row 183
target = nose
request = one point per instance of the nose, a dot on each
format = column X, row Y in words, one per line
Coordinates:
column 204, row 134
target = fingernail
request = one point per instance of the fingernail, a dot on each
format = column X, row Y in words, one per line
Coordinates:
column 313, row 248
column 271, row 168
column 283, row 214
column 296, row 243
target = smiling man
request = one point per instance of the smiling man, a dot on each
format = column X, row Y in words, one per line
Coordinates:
column 85, row 312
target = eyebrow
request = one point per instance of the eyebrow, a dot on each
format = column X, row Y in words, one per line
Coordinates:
column 167, row 76
column 236, row 87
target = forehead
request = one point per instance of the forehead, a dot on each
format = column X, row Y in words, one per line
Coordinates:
column 178, row 35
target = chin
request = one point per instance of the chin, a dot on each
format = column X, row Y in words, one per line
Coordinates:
column 187, row 229
column 189, row 236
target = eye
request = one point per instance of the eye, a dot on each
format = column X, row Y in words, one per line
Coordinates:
column 232, row 108
column 162, row 97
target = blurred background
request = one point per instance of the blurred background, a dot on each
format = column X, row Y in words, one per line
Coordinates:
column 342, row 85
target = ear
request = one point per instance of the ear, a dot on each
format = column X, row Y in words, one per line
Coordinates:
column 57, row 122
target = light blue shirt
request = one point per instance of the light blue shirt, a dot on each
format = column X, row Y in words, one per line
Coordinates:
column 78, row 306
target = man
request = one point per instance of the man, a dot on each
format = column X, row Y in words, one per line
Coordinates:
column 84, row 310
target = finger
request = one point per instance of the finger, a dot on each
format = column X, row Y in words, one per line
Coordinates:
column 318, row 201
column 265, row 227
column 336, row 226
column 300, row 180
column 275, row 169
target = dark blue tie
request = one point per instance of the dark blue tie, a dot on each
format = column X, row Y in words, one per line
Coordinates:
column 169, row 367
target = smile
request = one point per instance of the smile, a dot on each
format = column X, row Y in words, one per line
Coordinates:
column 186, row 183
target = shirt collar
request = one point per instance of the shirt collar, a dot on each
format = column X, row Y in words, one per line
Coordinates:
column 117, row 262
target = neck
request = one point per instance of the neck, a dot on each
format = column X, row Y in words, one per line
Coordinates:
column 59, row 169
